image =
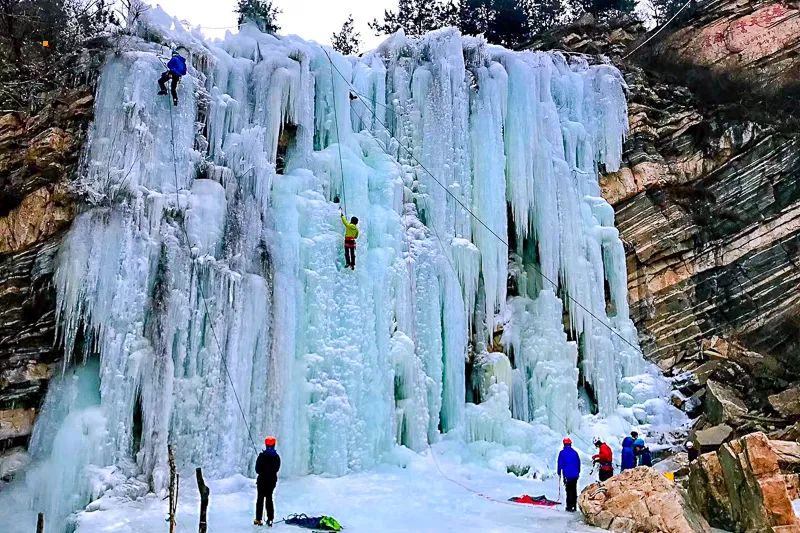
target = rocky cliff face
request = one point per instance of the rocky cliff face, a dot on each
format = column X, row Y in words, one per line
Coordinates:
column 38, row 156
column 708, row 204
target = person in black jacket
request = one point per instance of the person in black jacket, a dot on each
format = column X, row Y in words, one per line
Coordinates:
column 267, row 466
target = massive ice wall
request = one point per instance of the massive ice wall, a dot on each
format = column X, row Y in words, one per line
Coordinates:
column 205, row 280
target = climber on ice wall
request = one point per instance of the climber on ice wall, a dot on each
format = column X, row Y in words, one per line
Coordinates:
column 176, row 69
column 350, row 236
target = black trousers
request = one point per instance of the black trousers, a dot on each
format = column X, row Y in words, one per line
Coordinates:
column 606, row 474
column 265, row 496
column 572, row 493
column 349, row 257
column 162, row 82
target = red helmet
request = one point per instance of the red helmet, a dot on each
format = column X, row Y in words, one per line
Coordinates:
column 567, row 441
column 270, row 441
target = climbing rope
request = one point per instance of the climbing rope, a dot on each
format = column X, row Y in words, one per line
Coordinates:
column 455, row 273
column 547, row 408
column 182, row 224
column 667, row 23
column 338, row 138
column 481, row 222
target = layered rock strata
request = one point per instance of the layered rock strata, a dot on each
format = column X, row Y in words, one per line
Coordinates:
column 38, row 157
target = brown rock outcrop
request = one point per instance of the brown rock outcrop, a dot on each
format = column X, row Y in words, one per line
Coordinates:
column 787, row 402
column 16, row 423
column 38, row 157
column 764, row 35
column 741, row 488
column 723, row 404
column 640, row 500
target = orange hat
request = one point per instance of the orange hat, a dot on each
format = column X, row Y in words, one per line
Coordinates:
column 567, row 441
column 270, row 441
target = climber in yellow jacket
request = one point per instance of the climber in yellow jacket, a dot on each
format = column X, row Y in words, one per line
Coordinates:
column 350, row 236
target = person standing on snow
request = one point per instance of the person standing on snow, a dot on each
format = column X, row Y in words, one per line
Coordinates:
column 642, row 453
column 569, row 468
column 603, row 458
column 176, row 69
column 267, row 466
column 350, row 236
column 628, row 456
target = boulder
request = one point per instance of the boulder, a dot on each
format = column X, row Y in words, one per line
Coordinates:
column 711, row 438
column 792, row 485
column 788, row 454
column 741, row 487
column 639, row 500
column 723, row 404
column 13, row 461
column 708, row 492
column 16, row 423
column 787, row 403
column 791, row 433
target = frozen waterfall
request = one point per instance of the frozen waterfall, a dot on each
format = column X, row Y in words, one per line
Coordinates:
column 203, row 290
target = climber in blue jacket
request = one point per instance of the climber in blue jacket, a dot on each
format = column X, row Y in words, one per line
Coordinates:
column 628, row 455
column 569, row 467
column 176, row 68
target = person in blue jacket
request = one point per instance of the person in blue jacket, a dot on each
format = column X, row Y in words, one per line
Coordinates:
column 176, row 69
column 642, row 453
column 628, row 455
column 569, row 468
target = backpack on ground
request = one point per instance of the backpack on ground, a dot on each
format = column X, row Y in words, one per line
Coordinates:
column 320, row 523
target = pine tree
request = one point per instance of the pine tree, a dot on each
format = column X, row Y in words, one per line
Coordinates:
column 504, row 22
column 544, row 14
column 602, row 8
column 666, row 9
column 348, row 40
column 417, row 17
column 260, row 12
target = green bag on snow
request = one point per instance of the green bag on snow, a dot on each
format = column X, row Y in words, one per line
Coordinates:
column 330, row 523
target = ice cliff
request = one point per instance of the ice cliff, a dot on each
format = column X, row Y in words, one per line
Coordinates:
column 202, row 299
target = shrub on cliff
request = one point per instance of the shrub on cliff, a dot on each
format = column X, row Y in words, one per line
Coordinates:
column 37, row 40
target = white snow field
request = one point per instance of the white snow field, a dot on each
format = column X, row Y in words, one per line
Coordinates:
column 203, row 302
column 407, row 497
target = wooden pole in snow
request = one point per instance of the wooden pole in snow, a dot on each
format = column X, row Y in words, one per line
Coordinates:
column 204, row 492
column 173, row 490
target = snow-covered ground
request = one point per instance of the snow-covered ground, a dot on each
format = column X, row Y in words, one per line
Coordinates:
column 410, row 495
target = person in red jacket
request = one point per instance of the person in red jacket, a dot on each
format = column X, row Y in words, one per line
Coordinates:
column 604, row 459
